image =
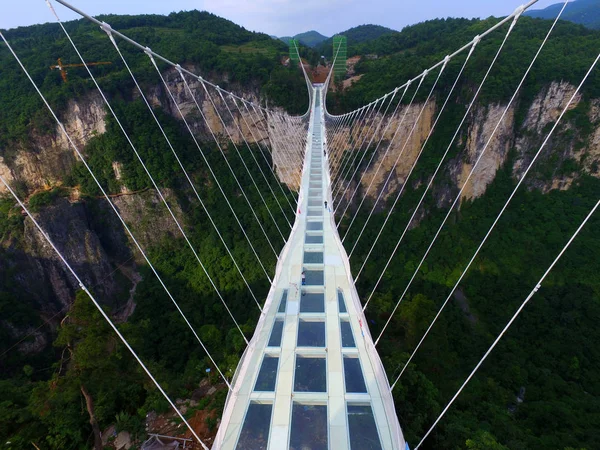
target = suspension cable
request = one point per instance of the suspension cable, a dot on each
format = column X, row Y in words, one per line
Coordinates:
column 405, row 182
column 366, row 168
column 209, row 167
column 107, row 29
column 500, row 214
column 160, row 194
column 114, row 208
column 448, row 149
column 212, row 102
column 396, row 133
column 442, row 109
column 536, row 288
column 266, row 161
column 340, row 194
column 99, row 308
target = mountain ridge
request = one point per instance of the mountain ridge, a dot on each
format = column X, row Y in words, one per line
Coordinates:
column 583, row 12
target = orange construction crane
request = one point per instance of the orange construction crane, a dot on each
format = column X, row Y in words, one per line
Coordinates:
column 62, row 67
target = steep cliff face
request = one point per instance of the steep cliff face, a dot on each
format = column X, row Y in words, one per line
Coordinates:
column 48, row 158
column 489, row 134
column 87, row 231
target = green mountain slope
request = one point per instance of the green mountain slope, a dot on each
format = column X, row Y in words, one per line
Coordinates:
column 310, row 38
column 584, row 12
column 215, row 46
column 356, row 35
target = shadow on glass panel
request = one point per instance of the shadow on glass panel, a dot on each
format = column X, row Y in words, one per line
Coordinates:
column 313, row 257
column 283, row 302
column 267, row 376
column 314, row 226
column 347, row 337
column 312, row 302
column 276, row 333
column 341, row 302
column 310, row 239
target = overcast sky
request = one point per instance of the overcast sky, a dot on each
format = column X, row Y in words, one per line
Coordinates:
column 278, row 17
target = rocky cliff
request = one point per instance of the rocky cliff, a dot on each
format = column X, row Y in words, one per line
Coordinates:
column 85, row 229
column 491, row 130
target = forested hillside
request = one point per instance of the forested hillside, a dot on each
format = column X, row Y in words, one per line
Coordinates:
column 584, row 12
column 56, row 351
column 357, row 38
column 539, row 388
column 219, row 49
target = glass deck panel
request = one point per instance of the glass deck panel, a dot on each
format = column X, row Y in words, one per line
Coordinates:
column 313, row 257
column 283, row 302
column 313, row 239
column 362, row 428
column 255, row 431
column 265, row 382
column 314, row 277
column 347, row 337
column 310, row 374
column 312, row 303
column 355, row 382
column 276, row 333
column 309, row 427
column 341, row 302
column 311, row 334
column 315, row 226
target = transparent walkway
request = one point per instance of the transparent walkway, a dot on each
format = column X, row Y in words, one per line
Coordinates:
column 311, row 378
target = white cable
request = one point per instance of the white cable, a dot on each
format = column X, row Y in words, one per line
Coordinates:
column 413, row 165
column 209, row 167
column 264, row 157
column 499, row 122
column 114, row 208
column 108, row 31
column 442, row 109
column 355, row 149
column 537, row 287
column 241, row 158
column 237, row 181
column 239, row 128
column 393, row 171
column 384, row 118
column 447, row 150
column 337, row 176
column 100, row 309
column 517, row 12
column 364, row 153
column 492, row 227
column 283, row 145
column 160, row 194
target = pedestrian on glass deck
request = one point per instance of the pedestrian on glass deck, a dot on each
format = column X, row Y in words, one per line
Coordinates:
column 325, row 204
column 303, row 277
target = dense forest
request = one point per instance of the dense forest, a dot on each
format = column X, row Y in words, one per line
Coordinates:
column 549, row 359
column 540, row 387
column 358, row 39
column 402, row 56
column 41, row 390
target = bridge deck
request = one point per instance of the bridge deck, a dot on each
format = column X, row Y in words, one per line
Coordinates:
column 311, row 378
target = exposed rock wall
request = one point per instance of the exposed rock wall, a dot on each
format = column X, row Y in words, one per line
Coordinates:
column 489, row 134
